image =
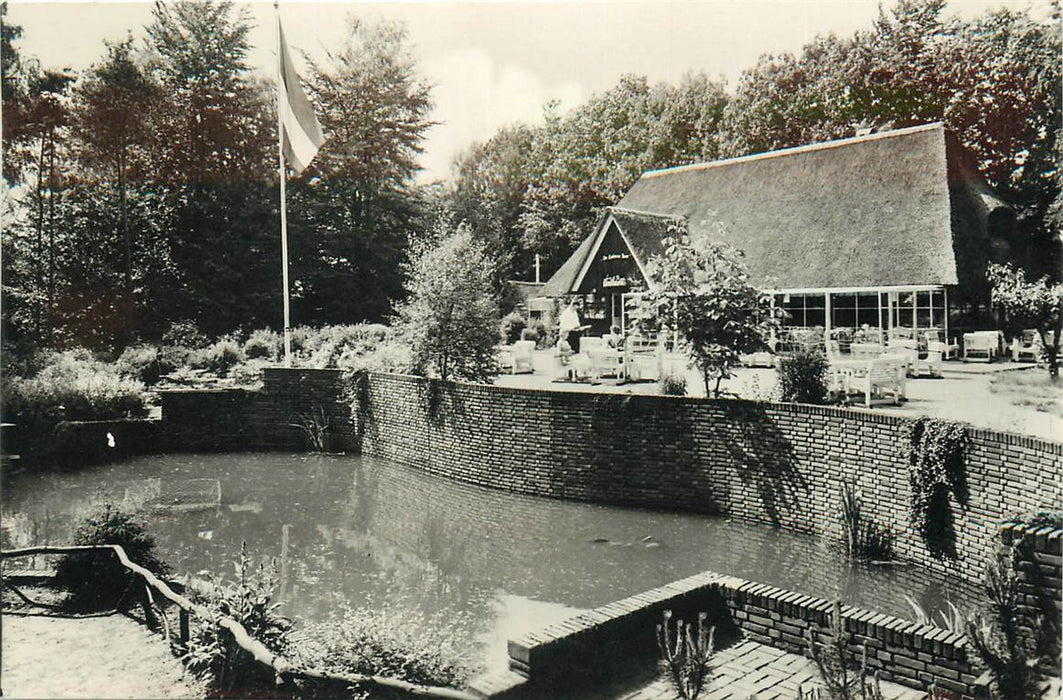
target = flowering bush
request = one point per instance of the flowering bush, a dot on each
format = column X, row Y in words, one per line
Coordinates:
column 264, row 344
column 385, row 641
column 73, row 386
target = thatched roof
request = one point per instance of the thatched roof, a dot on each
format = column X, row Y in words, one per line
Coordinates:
column 894, row 208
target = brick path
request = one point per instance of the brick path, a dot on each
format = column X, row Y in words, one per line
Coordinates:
column 749, row 669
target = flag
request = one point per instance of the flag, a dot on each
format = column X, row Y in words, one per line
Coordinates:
column 301, row 133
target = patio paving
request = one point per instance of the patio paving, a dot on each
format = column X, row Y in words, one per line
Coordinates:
column 963, row 394
column 752, row 670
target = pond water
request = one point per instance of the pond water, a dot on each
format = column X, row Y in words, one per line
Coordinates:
column 362, row 530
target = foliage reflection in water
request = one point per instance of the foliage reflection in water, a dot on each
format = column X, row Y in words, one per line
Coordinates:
column 352, row 530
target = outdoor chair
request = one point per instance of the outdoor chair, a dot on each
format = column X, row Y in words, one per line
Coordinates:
column 865, row 351
column 603, row 360
column 904, row 351
column 1027, row 345
column 833, row 350
column 981, row 345
column 519, row 357
column 936, row 341
column 880, row 381
column 929, row 366
column 868, row 335
column 642, row 357
column 901, row 333
column 758, row 359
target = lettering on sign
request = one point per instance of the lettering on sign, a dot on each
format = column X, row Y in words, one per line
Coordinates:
column 616, row 256
column 615, row 281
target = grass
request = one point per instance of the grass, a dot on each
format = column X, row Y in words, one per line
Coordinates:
column 1032, row 388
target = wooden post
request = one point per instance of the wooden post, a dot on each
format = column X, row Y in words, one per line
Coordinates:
column 285, row 530
column 145, row 605
column 182, row 624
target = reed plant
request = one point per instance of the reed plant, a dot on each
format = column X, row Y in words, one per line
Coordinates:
column 685, row 653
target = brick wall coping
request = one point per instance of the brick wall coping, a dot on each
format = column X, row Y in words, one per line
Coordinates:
column 531, row 654
column 867, row 415
column 1045, row 539
column 209, row 390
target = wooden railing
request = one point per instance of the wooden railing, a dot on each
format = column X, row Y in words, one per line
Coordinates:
column 282, row 667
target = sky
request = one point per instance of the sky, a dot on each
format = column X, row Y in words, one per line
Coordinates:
column 494, row 64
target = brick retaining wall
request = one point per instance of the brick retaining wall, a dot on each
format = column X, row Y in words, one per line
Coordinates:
column 576, row 652
column 782, row 464
column 218, row 420
column 776, row 463
column 1040, row 565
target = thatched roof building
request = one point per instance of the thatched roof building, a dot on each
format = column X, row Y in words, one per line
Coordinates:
column 897, row 212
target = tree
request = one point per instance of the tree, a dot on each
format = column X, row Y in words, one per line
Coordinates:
column 213, row 158
column 372, row 107
column 531, row 191
column 490, row 182
column 451, row 317
column 213, row 123
column 701, row 289
column 994, row 81
column 110, row 113
column 1036, row 305
column 43, row 149
column 354, row 210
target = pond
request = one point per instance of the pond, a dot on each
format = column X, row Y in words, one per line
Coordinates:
column 359, row 530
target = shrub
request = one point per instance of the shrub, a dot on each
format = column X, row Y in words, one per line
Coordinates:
column 300, row 338
column 673, row 385
column 184, row 334
column 531, row 334
column 803, row 378
column 95, row 581
column 183, row 344
column 264, row 344
column 213, row 654
column 512, row 327
column 73, row 386
column 547, row 334
column 392, row 355
column 685, row 654
column 450, row 317
column 324, row 347
column 380, row 640
column 223, row 355
column 249, row 372
column 141, row 362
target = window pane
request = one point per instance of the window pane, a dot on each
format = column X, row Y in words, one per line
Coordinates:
column 905, row 317
column 922, row 299
column 867, row 316
column 844, row 301
column 867, row 300
column 815, row 317
column 815, row 301
column 842, row 318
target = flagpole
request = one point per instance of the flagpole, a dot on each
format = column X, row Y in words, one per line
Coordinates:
column 284, row 201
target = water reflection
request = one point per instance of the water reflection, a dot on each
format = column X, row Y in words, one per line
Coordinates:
column 352, row 530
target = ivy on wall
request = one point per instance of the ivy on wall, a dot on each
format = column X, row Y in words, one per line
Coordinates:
column 937, row 466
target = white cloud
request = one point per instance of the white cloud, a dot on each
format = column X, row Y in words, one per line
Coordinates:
column 475, row 96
